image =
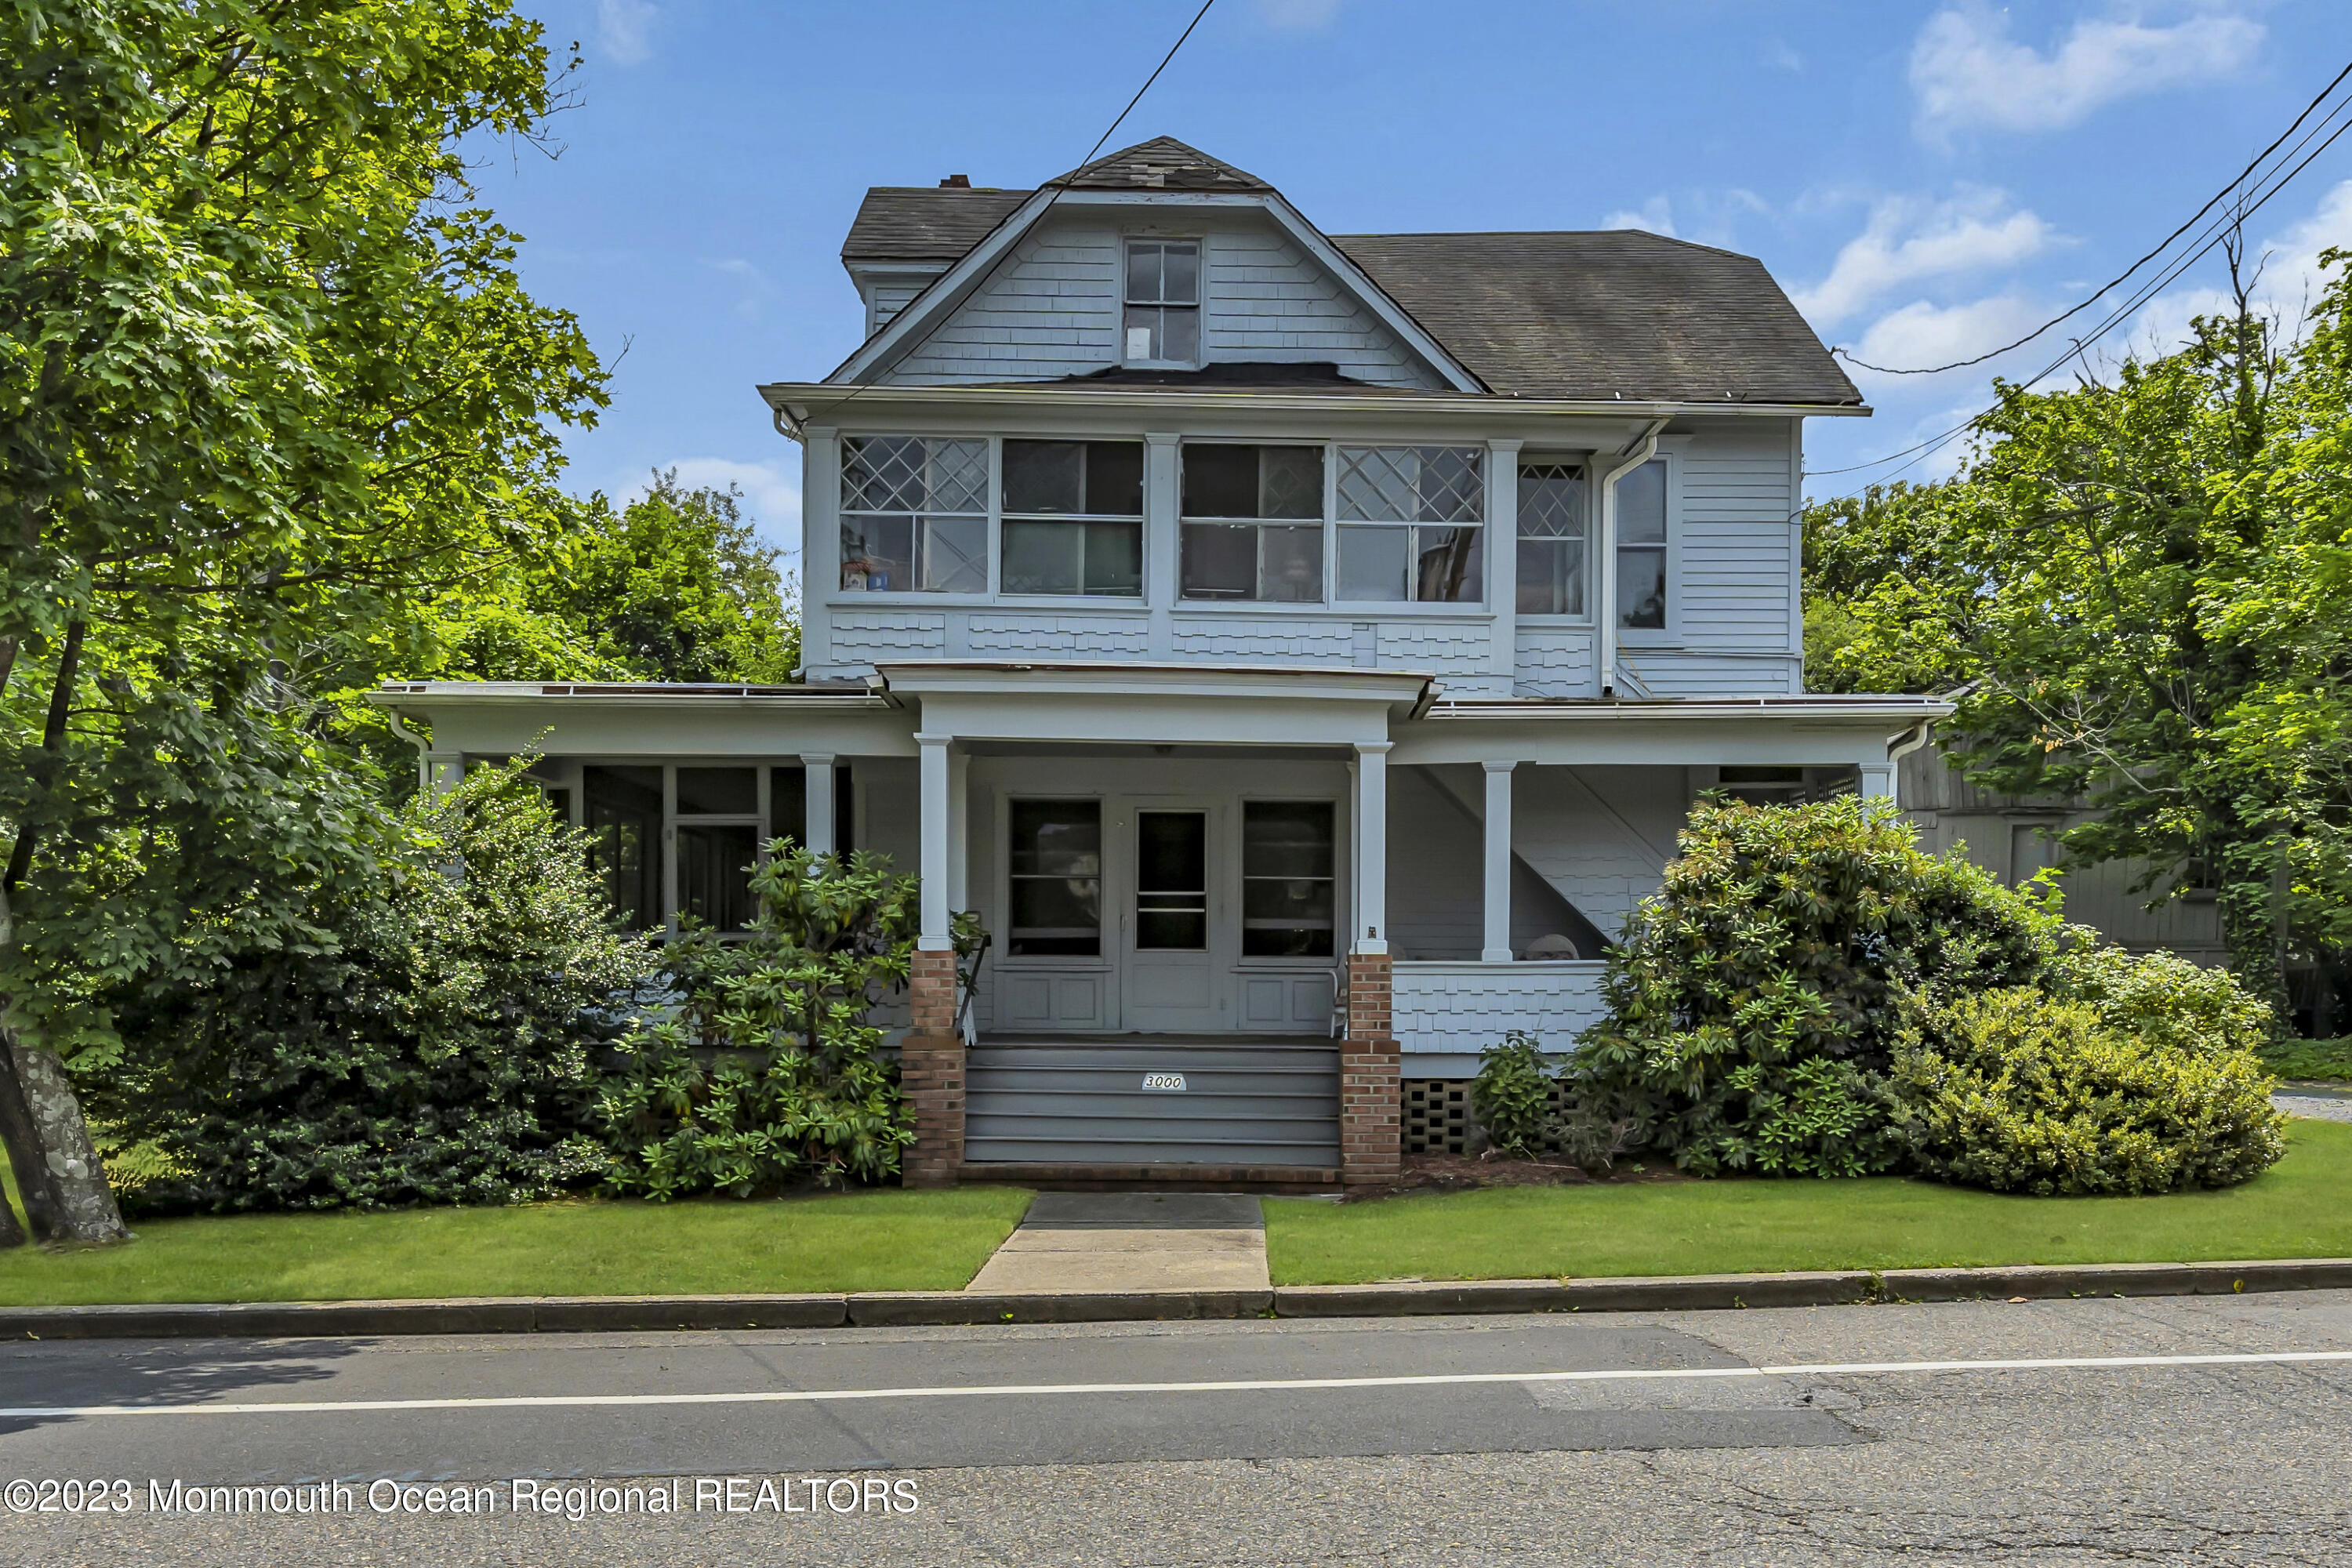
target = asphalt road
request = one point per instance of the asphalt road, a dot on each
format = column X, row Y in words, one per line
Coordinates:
column 1530, row 1440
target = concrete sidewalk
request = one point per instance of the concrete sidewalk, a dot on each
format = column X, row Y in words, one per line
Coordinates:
column 1131, row 1241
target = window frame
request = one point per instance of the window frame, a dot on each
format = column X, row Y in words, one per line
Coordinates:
column 1200, row 305
column 1585, row 464
column 1480, row 577
column 842, row 514
column 1330, row 603
column 1671, row 634
column 1341, row 884
column 1106, row 924
column 999, row 517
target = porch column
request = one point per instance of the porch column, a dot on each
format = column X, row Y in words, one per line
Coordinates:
column 442, row 772
column 817, row 831
column 1371, row 847
column 1497, row 948
column 1878, row 781
column 959, row 833
column 931, row 1059
column 1371, row 1124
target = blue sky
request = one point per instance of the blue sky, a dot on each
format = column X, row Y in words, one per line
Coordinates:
column 1922, row 178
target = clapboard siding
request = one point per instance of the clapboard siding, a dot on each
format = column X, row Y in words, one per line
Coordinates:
column 1668, row 673
column 1739, row 502
column 1268, row 300
column 1052, row 310
column 887, row 300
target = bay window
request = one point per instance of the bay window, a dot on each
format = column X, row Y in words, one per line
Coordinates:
column 1072, row 517
column 914, row 515
column 1551, row 539
column 1410, row 524
column 1253, row 522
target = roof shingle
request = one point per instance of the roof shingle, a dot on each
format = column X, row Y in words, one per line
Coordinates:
column 1614, row 313
column 924, row 222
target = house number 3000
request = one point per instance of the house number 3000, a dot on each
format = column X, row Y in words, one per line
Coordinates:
column 1164, row 1080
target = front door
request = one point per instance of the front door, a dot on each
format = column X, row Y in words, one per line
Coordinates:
column 1167, row 966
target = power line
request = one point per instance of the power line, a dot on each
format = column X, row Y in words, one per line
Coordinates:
column 1056, row 187
column 2214, row 232
column 2099, row 293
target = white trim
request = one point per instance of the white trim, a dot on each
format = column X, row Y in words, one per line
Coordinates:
column 798, row 401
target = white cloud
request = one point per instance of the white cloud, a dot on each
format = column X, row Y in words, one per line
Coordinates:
column 1656, row 215
column 621, row 30
column 1298, row 15
column 771, row 497
column 1967, row 71
column 1907, row 239
column 1922, row 333
column 1780, row 56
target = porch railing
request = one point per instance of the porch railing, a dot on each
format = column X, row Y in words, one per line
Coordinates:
column 1465, row 1006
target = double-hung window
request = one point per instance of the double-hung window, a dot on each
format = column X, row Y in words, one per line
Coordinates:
column 1072, row 517
column 1551, row 539
column 1253, row 524
column 1056, row 878
column 914, row 515
column 1410, row 524
column 1641, row 587
column 1163, row 301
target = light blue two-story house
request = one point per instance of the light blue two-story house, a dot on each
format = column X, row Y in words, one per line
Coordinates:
column 1301, row 650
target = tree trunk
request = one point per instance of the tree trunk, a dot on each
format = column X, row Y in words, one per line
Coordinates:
column 12, row 1234
column 82, row 1205
column 34, row 1188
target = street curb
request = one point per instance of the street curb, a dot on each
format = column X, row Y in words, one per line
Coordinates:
column 912, row 1308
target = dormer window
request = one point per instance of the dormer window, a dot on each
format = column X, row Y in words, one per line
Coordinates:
column 1163, row 301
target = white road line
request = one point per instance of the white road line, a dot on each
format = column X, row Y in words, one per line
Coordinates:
column 1237, row 1385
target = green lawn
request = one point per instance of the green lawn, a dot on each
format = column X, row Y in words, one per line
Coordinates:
column 2309, row 1059
column 2297, row 1209
column 885, row 1240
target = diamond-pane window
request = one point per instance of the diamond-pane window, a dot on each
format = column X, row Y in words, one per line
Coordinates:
column 1551, row 569
column 914, row 515
column 1410, row 520
column 1411, row 484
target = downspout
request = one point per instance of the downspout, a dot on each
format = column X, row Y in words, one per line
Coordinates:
column 1640, row 451
column 423, row 768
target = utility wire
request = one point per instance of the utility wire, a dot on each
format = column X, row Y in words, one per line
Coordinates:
column 2101, row 292
column 1058, row 187
column 2213, row 235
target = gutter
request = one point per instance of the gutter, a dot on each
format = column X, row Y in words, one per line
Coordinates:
column 795, row 402
column 1641, row 451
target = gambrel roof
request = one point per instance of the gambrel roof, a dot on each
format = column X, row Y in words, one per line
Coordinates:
column 1570, row 315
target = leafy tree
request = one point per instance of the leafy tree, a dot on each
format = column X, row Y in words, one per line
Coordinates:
column 676, row 586
column 432, row 1042
column 2138, row 589
column 265, row 373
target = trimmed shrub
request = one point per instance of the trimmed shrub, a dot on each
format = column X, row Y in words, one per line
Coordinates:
column 1755, row 1002
column 431, row 1046
column 772, row 1075
column 2018, row 1091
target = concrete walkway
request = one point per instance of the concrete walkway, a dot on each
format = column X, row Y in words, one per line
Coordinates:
column 1131, row 1241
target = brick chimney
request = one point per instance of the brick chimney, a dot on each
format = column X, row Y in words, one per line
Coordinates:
column 956, row 183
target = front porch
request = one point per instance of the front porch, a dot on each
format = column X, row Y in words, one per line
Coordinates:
column 1309, row 898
